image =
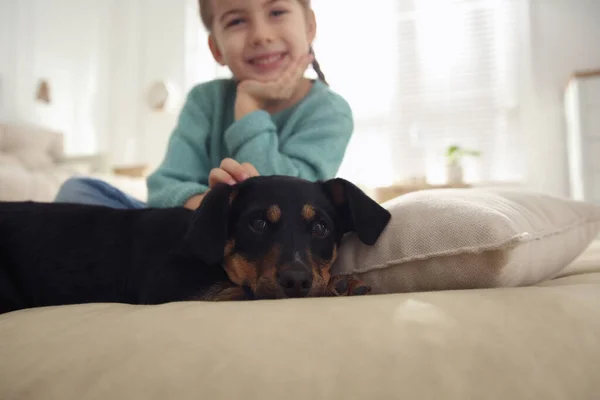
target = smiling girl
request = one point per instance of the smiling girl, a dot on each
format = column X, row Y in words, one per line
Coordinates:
column 268, row 119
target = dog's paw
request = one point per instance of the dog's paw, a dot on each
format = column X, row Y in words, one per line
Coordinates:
column 231, row 294
column 224, row 292
column 347, row 285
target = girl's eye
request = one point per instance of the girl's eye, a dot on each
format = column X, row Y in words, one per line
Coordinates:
column 320, row 230
column 258, row 225
column 235, row 22
column 278, row 13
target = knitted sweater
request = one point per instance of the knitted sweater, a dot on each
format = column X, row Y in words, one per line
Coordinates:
column 307, row 140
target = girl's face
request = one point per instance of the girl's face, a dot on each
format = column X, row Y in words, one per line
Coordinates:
column 258, row 39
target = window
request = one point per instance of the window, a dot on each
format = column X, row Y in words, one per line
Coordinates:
column 421, row 75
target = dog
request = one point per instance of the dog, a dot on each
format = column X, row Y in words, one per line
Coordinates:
column 269, row 237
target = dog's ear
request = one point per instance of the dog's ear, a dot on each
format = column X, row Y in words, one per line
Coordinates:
column 208, row 230
column 357, row 211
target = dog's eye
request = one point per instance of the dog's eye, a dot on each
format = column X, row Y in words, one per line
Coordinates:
column 258, row 225
column 319, row 229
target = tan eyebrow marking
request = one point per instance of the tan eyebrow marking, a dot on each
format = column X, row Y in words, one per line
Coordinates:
column 308, row 212
column 274, row 214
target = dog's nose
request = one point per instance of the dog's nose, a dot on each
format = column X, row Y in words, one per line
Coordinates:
column 296, row 281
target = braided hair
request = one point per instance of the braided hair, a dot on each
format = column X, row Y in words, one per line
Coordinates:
column 317, row 67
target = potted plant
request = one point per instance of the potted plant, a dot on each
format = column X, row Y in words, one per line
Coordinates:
column 454, row 167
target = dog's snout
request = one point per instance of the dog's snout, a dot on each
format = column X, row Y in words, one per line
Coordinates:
column 296, row 280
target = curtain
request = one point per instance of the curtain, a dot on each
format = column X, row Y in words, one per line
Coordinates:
column 422, row 75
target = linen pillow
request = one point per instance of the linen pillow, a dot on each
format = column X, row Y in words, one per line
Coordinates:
column 32, row 141
column 444, row 239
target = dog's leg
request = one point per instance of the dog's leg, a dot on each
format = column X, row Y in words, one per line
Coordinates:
column 347, row 285
column 224, row 292
column 234, row 293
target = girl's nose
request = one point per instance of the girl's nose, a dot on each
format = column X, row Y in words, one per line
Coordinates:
column 261, row 34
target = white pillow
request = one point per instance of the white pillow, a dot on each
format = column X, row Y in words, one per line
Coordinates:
column 471, row 238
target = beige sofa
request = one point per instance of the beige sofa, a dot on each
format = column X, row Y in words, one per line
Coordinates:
column 540, row 342
column 33, row 165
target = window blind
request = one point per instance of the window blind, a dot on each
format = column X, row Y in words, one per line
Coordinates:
column 422, row 75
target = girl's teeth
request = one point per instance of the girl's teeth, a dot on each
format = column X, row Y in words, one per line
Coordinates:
column 268, row 60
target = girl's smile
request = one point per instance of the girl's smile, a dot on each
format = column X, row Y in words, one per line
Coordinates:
column 268, row 62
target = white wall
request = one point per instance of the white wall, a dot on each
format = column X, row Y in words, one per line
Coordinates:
column 7, row 55
column 100, row 58
column 563, row 38
column 45, row 42
column 148, row 45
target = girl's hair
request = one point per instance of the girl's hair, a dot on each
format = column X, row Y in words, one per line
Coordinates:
column 206, row 14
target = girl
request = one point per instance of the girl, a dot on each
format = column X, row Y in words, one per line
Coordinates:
column 268, row 119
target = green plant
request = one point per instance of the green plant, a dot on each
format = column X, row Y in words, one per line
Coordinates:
column 455, row 153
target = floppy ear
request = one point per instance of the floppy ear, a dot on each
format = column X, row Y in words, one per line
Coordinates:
column 358, row 212
column 207, row 233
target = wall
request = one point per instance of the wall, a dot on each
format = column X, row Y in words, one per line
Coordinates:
column 100, row 58
column 148, row 46
column 7, row 55
column 153, row 40
column 46, row 42
column 563, row 38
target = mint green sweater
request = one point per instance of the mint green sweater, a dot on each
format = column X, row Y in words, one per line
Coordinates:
column 307, row 140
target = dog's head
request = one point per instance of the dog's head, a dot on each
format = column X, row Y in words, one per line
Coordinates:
column 278, row 236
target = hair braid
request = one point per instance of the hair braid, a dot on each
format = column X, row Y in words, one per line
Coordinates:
column 317, row 67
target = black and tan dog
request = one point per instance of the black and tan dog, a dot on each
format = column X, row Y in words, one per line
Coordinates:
column 266, row 238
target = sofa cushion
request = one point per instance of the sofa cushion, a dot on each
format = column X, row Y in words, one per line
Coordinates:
column 471, row 238
column 20, row 184
column 34, row 146
column 7, row 159
column 31, row 159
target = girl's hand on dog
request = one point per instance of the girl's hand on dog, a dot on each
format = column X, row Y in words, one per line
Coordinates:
column 229, row 172
column 253, row 95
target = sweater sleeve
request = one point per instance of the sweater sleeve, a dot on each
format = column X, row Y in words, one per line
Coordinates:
column 313, row 152
column 184, row 170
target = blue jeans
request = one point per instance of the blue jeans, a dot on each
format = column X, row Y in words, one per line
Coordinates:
column 96, row 192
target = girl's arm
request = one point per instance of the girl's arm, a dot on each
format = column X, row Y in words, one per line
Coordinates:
column 184, row 171
column 314, row 152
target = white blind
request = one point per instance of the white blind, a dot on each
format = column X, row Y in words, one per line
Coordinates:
column 421, row 75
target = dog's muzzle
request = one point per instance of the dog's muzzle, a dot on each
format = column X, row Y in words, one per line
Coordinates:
column 295, row 280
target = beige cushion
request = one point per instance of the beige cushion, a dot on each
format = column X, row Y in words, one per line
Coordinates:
column 7, row 159
column 493, row 344
column 33, row 159
column 34, row 146
column 471, row 238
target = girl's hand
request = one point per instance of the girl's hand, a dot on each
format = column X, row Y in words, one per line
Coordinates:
column 253, row 95
column 231, row 172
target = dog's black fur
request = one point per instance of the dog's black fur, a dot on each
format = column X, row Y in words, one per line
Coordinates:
column 268, row 237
